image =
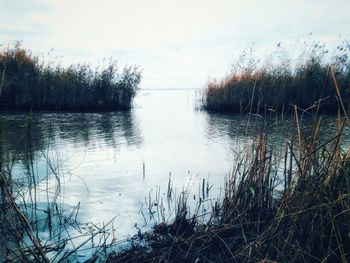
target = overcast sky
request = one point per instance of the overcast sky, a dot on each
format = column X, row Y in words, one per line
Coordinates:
column 178, row 44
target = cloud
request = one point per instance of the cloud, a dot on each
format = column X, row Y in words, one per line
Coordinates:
column 18, row 20
column 175, row 42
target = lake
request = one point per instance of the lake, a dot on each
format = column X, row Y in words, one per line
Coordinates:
column 112, row 163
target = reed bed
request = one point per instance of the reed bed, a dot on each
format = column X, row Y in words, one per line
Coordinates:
column 281, row 82
column 289, row 206
column 26, row 83
column 295, row 209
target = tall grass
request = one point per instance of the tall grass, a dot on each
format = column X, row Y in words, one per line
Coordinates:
column 29, row 84
column 292, row 206
column 281, row 82
column 292, row 209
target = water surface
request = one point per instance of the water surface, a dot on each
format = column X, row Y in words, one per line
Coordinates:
column 110, row 162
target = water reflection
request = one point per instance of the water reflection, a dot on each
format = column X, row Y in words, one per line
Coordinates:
column 242, row 128
column 104, row 153
column 58, row 129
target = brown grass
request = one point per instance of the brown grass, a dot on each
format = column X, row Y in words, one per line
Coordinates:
column 289, row 207
column 28, row 84
column 258, row 88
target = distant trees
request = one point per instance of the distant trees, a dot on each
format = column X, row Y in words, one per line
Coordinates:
column 28, row 84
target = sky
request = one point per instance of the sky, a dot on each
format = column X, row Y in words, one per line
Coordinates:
column 178, row 44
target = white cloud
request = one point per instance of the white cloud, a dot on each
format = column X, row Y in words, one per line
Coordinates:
column 177, row 43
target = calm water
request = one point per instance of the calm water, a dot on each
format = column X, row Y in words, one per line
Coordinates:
column 100, row 156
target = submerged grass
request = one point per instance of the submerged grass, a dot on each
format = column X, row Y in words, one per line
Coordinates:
column 281, row 82
column 28, row 84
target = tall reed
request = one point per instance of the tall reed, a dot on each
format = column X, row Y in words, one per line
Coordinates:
column 292, row 206
column 280, row 82
column 29, row 84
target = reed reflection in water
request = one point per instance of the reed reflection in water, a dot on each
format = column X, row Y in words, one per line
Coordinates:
column 101, row 155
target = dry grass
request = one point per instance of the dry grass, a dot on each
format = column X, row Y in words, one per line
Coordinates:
column 299, row 214
column 258, row 88
column 28, row 84
column 289, row 207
